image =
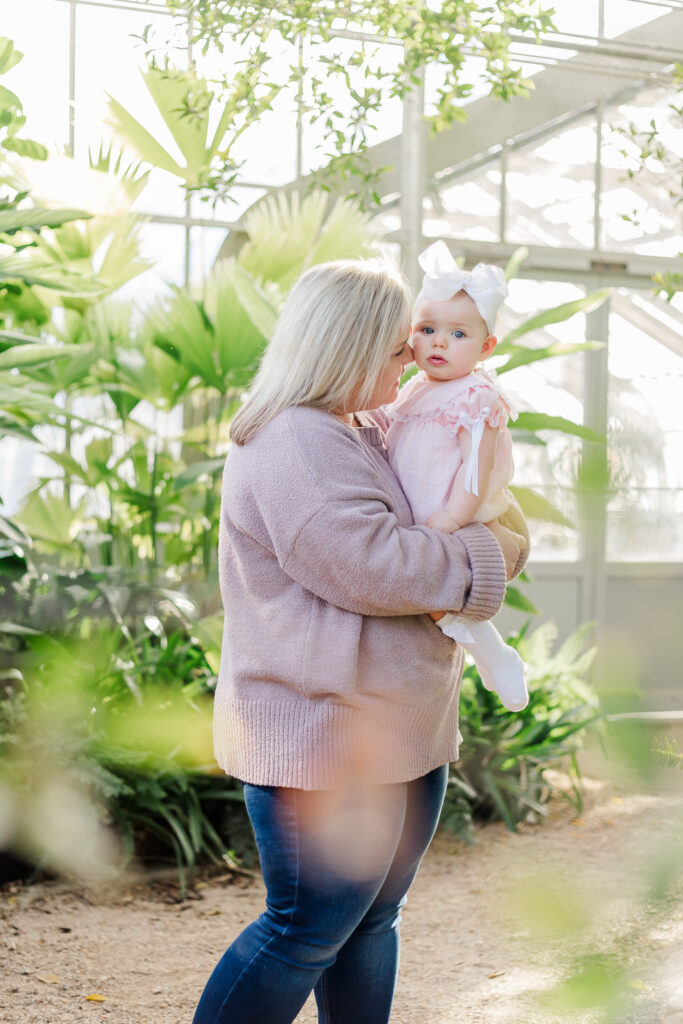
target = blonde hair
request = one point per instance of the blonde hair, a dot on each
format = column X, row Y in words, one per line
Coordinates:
column 332, row 342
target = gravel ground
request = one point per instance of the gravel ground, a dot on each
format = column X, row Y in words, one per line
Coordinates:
column 489, row 933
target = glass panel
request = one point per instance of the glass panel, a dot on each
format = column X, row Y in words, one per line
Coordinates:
column 473, row 69
column 382, row 124
column 579, row 16
column 623, row 15
column 239, row 200
column 554, row 386
column 115, row 69
column 163, row 194
column 164, row 245
column 40, row 29
column 645, row 526
column 645, row 430
column 637, row 213
column 551, row 187
column 467, row 208
column 267, row 149
column 205, row 244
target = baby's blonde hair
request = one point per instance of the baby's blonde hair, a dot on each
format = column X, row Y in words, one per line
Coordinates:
column 332, row 342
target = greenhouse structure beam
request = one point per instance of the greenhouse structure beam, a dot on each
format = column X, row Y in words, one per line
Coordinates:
column 562, row 263
column 565, row 92
column 559, row 93
column 601, row 47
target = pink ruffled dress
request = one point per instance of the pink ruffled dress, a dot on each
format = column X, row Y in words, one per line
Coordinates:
column 423, row 441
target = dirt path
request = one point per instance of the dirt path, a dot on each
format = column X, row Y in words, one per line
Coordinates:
column 483, row 931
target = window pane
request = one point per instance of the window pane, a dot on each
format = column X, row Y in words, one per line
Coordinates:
column 645, row 438
column 381, row 124
column 116, row 69
column 468, row 208
column 164, row 245
column 551, row 188
column 238, row 201
column 580, row 16
column 638, row 214
column 554, row 386
column 623, row 15
column 40, row 29
column 163, row 194
column 205, row 244
column 267, row 149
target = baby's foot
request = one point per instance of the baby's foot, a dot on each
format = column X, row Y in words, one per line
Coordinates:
column 509, row 682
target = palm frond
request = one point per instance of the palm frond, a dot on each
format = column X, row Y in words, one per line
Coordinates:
column 287, row 234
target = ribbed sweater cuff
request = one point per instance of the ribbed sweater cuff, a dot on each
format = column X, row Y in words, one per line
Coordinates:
column 488, row 572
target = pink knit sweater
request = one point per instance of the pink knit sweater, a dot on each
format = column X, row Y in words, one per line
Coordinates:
column 330, row 663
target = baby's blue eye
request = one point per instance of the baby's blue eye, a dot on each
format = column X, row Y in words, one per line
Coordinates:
column 458, row 334
column 427, row 330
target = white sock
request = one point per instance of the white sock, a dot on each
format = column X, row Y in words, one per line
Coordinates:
column 500, row 666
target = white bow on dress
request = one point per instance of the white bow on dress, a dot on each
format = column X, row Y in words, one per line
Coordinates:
column 485, row 284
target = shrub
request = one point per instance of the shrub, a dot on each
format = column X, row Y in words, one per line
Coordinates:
column 503, row 773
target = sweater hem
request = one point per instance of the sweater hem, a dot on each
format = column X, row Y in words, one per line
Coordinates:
column 316, row 744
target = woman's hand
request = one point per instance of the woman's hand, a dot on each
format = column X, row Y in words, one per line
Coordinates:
column 511, row 544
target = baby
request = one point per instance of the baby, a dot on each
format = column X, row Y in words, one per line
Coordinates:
column 448, row 440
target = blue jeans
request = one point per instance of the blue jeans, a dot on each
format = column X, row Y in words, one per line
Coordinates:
column 336, row 867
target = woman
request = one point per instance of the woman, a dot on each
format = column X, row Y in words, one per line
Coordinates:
column 337, row 702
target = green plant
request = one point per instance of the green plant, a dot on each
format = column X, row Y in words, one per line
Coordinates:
column 668, row 753
column 12, row 117
column 134, row 494
column 504, row 769
column 342, row 86
column 106, row 695
column 21, row 224
column 285, row 236
column 186, row 103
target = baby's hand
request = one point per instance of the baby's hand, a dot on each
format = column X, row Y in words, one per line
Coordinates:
column 444, row 521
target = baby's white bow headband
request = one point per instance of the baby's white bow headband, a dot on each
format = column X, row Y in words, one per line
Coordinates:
column 485, row 284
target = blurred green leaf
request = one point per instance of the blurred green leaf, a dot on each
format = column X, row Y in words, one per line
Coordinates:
column 207, row 467
column 258, row 307
column 542, row 421
column 33, row 355
column 36, row 217
column 516, row 599
column 553, row 316
column 523, row 356
column 515, row 262
column 535, row 506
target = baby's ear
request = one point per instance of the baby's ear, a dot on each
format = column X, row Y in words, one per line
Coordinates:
column 490, row 342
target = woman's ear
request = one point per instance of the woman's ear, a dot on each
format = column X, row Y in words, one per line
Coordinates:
column 490, row 342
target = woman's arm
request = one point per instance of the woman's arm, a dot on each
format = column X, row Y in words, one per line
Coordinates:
column 356, row 555
column 325, row 509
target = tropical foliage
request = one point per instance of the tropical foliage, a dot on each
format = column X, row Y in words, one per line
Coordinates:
column 12, row 117
column 341, row 86
column 509, row 765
